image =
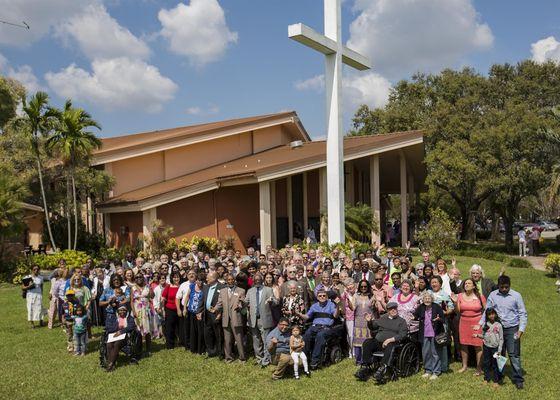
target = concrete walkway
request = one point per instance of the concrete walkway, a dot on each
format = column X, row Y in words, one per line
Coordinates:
column 536, row 262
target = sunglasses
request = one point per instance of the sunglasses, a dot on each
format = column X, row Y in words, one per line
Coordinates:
column 378, row 279
column 322, row 295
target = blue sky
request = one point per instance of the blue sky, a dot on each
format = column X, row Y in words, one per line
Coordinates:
column 139, row 65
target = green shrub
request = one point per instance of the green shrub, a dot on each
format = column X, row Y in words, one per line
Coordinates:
column 519, row 263
column 552, row 263
column 439, row 236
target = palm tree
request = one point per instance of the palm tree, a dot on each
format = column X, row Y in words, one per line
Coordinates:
column 37, row 119
column 74, row 144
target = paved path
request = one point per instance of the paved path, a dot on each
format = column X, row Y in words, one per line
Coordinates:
column 536, row 262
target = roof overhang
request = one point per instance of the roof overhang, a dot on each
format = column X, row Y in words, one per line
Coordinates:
column 249, row 178
column 104, row 157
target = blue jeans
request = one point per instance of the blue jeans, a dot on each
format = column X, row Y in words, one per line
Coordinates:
column 80, row 342
column 315, row 340
column 432, row 355
column 513, row 347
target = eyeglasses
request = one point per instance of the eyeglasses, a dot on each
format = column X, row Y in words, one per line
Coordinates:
column 363, row 287
column 322, row 295
column 378, row 279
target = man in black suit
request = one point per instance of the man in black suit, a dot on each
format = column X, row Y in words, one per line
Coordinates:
column 364, row 274
column 206, row 310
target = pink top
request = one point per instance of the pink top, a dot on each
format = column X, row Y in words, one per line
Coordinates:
column 348, row 313
column 406, row 309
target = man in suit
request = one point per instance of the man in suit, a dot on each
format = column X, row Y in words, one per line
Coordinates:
column 258, row 299
column 309, row 282
column 364, row 273
column 207, row 312
column 229, row 306
column 291, row 273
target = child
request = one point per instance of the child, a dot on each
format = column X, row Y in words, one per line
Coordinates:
column 69, row 307
column 80, row 331
column 296, row 347
column 493, row 336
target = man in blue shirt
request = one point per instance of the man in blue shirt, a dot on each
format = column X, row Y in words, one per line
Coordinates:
column 278, row 346
column 323, row 314
column 512, row 312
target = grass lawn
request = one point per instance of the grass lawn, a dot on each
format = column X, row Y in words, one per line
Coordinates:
column 35, row 363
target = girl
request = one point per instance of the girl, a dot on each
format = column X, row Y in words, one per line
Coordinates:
column 80, row 331
column 493, row 336
column 296, row 348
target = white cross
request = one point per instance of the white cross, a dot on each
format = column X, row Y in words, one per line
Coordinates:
column 330, row 44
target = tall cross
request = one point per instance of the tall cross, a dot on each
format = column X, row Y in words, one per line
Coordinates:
column 330, row 44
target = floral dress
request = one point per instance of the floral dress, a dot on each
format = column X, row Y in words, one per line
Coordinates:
column 363, row 306
column 145, row 317
column 291, row 305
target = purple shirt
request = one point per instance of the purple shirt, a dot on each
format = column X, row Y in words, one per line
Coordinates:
column 428, row 327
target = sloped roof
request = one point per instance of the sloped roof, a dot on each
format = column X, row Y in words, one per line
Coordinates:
column 146, row 140
column 269, row 164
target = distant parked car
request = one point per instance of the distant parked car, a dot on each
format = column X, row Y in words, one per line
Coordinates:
column 548, row 226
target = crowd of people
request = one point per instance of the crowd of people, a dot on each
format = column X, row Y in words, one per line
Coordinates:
column 286, row 305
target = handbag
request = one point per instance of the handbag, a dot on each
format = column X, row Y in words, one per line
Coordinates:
column 442, row 339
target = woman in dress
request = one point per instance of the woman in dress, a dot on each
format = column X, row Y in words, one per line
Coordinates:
column 470, row 306
column 33, row 285
column 144, row 317
column 269, row 280
column 293, row 305
column 363, row 303
column 81, row 291
column 407, row 302
column 129, row 278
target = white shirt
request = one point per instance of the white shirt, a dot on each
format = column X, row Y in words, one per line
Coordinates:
column 182, row 292
column 521, row 235
column 158, row 290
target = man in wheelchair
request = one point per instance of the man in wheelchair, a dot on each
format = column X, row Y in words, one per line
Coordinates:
column 322, row 315
column 387, row 332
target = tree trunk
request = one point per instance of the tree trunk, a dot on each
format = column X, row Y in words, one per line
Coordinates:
column 49, row 230
column 495, row 227
column 68, row 213
column 508, row 226
column 75, row 211
column 467, row 228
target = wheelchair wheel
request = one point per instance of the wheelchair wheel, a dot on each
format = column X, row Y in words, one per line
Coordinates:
column 336, row 354
column 408, row 362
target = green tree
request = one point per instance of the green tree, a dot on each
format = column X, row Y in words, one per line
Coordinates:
column 11, row 93
column 74, row 144
column 37, row 122
column 439, row 235
column 12, row 193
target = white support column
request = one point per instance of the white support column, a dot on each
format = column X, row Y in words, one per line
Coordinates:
column 264, row 216
column 289, row 208
column 107, row 228
column 273, row 213
column 305, row 210
column 323, row 234
column 350, row 183
column 404, row 202
column 148, row 217
column 89, row 215
column 375, row 197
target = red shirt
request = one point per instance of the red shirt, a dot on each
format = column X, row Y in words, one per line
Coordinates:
column 169, row 294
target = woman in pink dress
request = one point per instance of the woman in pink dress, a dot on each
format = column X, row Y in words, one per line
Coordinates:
column 470, row 306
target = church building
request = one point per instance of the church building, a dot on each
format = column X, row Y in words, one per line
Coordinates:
column 258, row 177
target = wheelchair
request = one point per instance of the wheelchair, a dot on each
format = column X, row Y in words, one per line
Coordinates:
column 131, row 348
column 404, row 361
column 336, row 346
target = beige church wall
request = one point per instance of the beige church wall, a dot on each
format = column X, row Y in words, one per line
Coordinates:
column 190, row 216
column 268, row 138
column 34, row 228
column 126, row 228
column 237, row 209
column 184, row 160
column 313, row 208
column 137, row 172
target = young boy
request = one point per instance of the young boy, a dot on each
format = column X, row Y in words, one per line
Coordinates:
column 80, row 331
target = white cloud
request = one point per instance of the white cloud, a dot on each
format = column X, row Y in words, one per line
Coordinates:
column 23, row 74
column 100, row 36
column 198, row 110
column 115, row 83
column 315, row 83
column 198, row 31
column 41, row 15
column 357, row 88
column 546, row 49
column 406, row 36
